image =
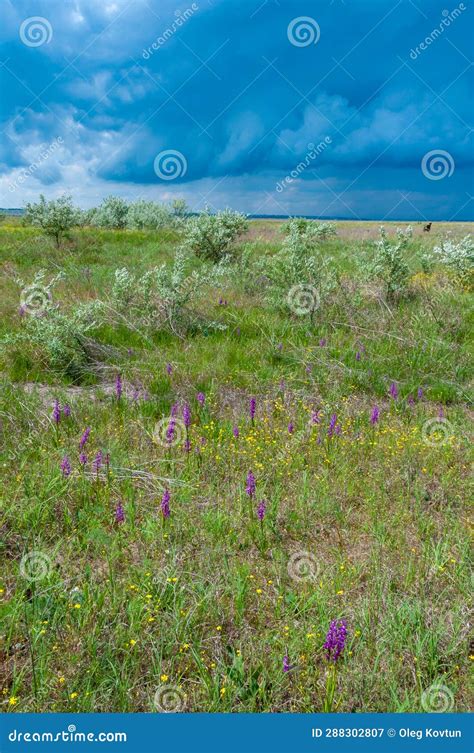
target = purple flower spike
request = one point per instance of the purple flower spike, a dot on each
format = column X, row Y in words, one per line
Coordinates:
column 118, row 387
column 286, row 664
column 375, row 415
column 65, row 466
column 291, row 427
column 332, row 424
column 187, row 415
column 358, row 356
column 419, row 393
column 393, row 390
column 170, row 431
column 56, row 412
column 169, row 369
column 97, row 462
column 235, row 432
column 280, row 347
column 322, row 342
column 119, row 514
column 165, row 503
column 174, row 410
column 66, row 410
column 252, row 408
column 187, row 445
column 315, row 419
column 201, row 398
column 261, row 509
column 335, row 640
column 251, row 486
column 84, row 438
column 83, row 458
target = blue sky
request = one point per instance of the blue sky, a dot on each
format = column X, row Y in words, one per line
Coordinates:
column 348, row 108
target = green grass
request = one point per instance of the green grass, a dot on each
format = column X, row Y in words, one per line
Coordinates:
column 209, row 601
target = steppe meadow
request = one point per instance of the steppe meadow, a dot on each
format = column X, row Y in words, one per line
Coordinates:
column 236, row 464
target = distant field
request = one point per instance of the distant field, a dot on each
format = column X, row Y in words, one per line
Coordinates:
column 354, row 423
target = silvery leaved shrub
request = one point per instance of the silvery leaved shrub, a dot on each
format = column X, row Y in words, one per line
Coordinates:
column 299, row 263
column 389, row 262
column 162, row 298
column 211, row 236
column 458, row 257
column 111, row 213
column 55, row 218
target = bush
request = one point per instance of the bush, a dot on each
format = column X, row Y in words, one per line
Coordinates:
column 54, row 217
column 309, row 229
column 161, row 298
column 58, row 339
column 389, row 264
column 111, row 213
column 458, row 257
column 210, row 236
column 299, row 277
column 148, row 214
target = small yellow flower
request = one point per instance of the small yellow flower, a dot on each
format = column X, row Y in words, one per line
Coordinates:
column 223, row 691
column 73, row 695
column 77, row 606
column 164, row 678
column 259, row 591
column 13, row 701
column 219, row 628
column 339, row 593
column 132, row 641
column 61, row 680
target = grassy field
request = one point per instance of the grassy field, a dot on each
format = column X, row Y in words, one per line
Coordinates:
column 109, row 604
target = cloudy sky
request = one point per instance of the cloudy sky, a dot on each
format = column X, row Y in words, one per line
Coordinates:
column 346, row 108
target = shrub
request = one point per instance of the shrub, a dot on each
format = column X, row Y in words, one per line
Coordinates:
column 299, row 276
column 54, row 217
column 317, row 231
column 210, row 236
column 111, row 213
column 389, row 263
column 180, row 209
column 57, row 338
column 149, row 214
column 161, row 298
column 458, row 257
